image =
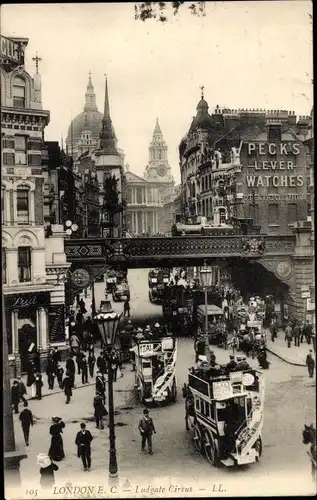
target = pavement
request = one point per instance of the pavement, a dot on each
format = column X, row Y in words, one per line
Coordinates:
column 293, row 355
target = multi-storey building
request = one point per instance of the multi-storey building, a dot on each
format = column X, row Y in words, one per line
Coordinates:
column 34, row 297
column 250, row 168
column 171, row 201
column 145, row 195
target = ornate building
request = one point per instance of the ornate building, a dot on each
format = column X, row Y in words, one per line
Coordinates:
column 145, row 195
column 34, row 301
column 250, row 168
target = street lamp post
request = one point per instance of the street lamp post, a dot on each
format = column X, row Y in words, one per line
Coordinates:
column 206, row 281
column 108, row 321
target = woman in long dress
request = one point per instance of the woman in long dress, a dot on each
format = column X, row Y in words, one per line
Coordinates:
column 56, row 451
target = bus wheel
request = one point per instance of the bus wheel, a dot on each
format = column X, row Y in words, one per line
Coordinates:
column 198, row 439
column 259, row 447
column 210, row 447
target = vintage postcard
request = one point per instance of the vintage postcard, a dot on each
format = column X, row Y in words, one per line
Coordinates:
column 157, row 219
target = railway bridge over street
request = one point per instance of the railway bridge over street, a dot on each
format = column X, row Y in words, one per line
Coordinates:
column 285, row 260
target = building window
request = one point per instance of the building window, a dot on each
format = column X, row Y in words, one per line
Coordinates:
column 291, row 213
column 24, row 264
column 254, row 212
column 18, row 92
column 273, row 214
column 3, row 192
column 23, row 205
column 4, row 265
column 275, row 133
column 20, row 150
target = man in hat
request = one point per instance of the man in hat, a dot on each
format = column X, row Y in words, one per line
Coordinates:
column 230, row 367
column 101, row 385
column 22, row 389
column 71, row 369
column 91, row 363
column 83, row 440
column 50, row 372
column 242, row 364
column 26, row 418
column 126, row 308
column 67, row 386
column 139, row 335
column 146, row 429
column 84, row 370
column 101, row 363
column 15, row 396
column 59, row 374
column 310, row 363
column 38, row 385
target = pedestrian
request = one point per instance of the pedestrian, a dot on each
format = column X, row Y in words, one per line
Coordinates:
column 71, row 369
column 38, row 386
column 100, row 410
column 91, row 363
column 310, row 363
column 47, row 471
column 289, row 334
column 297, row 334
column 273, row 329
column 22, row 389
column 307, row 332
column 56, row 357
column 101, row 363
column 83, row 442
column 30, row 373
column 82, row 306
column 84, row 370
column 67, row 386
column 37, row 361
column 74, row 343
column 146, row 429
column 56, row 451
column 79, row 357
column 50, row 372
column 59, row 374
column 15, row 396
column 231, row 365
column 101, row 386
column 26, row 418
column 126, row 308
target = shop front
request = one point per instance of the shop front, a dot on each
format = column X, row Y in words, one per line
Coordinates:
column 32, row 323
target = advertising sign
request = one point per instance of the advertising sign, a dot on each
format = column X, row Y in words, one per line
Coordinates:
column 221, row 389
column 145, row 349
column 11, row 51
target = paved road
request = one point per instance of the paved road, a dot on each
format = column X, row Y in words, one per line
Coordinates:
column 283, row 469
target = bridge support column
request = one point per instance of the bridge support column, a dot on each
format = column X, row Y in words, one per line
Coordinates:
column 303, row 260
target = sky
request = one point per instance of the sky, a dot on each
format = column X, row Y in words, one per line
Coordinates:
column 246, row 55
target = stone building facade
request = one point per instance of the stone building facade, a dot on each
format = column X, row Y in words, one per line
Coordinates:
column 251, row 168
column 34, row 303
column 146, row 196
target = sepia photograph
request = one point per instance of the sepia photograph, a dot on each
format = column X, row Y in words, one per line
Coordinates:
column 158, row 267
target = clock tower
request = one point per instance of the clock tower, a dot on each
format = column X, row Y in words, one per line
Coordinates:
column 158, row 169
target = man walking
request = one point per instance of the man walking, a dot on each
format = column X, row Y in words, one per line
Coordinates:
column 15, row 396
column 74, row 343
column 67, row 386
column 102, row 364
column 100, row 410
column 101, row 386
column 84, row 370
column 146, row 429
column 22, row 389
column 50, row 372
column 91, row 363
column 289, row 334
column 126, row 308
column 83, row 440
column 59, row 375
column 71, row 369
column 26, row 418
column 310, row 363
column 297, row 334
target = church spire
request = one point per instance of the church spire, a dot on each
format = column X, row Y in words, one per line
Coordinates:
column 90, row 96
column 37, row 81
column 157, row 129
column 107, row 136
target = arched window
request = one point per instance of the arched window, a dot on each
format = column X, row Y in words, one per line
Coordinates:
column 18, row 92
column 23, row 205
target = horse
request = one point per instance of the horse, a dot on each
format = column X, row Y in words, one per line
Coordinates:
column 189, row 405
column 309, row 437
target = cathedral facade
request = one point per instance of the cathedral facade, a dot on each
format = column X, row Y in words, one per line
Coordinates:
column 146, row 195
